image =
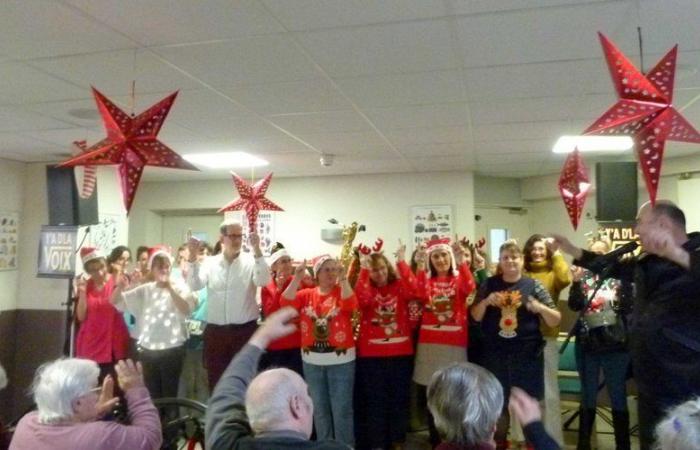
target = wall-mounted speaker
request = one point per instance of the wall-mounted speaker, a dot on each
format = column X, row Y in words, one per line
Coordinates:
column 66, row 207
column 616, row 191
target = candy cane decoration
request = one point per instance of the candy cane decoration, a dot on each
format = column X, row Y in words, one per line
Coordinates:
column 86, row 183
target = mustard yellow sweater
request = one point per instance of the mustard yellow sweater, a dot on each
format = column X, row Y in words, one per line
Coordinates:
column 555, row 280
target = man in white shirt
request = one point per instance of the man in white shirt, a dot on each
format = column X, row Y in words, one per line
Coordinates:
column 231, row 278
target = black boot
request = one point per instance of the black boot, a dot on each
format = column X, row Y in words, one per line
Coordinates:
column 586, row 419
column 621, row 426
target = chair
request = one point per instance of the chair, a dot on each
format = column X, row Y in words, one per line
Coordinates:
column 182, row 421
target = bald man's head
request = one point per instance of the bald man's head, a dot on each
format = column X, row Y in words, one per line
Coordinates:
column 278, row 399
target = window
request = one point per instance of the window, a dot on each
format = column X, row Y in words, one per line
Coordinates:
column 497, row 236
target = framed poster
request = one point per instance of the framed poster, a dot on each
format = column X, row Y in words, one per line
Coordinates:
column 265, row 225
column 9, row 240
column 109, row 233
column 431, row 222
column 57, row 247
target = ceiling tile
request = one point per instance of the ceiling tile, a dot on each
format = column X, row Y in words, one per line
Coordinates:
column 419, row 116
column 299, row 15
column 40, row 28
column 344, row 142
column 321, row 122
column 391, row 48
column 544, row 34
column 290, row 97
column 169, row 22
column 22, row 85
column 17, row 119
column 24, row 148
column 114, row 72
column 404, row 89
column 522, row 110
column 257, row 60
column 435, row 135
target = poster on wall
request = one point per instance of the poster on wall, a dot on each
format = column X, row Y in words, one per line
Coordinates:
column 9, row 239
column 618, row 233
column 431, row 222
column 57, row 247
column 266, row 229
column 109, row 233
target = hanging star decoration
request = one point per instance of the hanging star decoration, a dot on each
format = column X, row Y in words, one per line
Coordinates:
column 574, row 185
column 252, row 199
column 87, row 178
column 644, row 110
column 131, row 143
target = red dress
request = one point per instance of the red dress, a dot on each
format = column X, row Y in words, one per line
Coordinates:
column 103, row 336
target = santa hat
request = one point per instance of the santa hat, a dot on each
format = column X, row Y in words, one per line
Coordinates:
column 277, row 255
column 443, row 245
column 87, row 254
column 158, row 250
column 318, row 261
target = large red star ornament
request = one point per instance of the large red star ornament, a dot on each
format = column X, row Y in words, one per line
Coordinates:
column 574, row 185
column 252, row 199
column 644, row 110
column 131, row 143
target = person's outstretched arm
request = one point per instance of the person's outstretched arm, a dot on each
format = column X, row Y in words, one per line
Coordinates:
column 226, row 419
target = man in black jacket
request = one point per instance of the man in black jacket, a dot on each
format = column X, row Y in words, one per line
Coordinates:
column 665, row 331
column 272, row 410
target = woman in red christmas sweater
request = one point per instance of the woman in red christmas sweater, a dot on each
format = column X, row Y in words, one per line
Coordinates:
column 284, row 352
column 385, row 347
column 327, row 345
column 444, row 288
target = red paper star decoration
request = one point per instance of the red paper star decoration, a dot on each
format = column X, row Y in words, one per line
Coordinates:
column 131, row 143
column 574, row 185
column 252, row 199
column 644, row 110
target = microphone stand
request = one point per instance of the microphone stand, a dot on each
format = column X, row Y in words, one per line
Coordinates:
column 604, row 274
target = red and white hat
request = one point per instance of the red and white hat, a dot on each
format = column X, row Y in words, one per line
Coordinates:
column 158, row 250
column 318, row 261
column 87, row 254
column 443, row 245
column 277, row 255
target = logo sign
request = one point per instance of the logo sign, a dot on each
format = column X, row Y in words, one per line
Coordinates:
column 57, row 251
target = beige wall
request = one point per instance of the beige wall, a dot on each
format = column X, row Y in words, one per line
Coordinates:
column 46, row 293
column 381, row 202
column 12, row 175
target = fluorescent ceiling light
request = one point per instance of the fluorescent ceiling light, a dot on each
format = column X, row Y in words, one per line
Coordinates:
column 225, row 160
column 566, row 144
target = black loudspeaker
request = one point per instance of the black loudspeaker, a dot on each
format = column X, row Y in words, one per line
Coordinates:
column 616, row 191
column 65, row 205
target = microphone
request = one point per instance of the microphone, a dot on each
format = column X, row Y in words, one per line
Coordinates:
column 619, row 251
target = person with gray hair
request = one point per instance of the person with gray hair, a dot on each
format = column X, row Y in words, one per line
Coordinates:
column 70, row 403
column 466, row 402
column 680, row 429
column 272, row 410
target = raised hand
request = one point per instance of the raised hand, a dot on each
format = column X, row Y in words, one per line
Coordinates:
column 552, row 245
column 80, row 285
column 458, row 250
column 564, row 244
column 479, row 261
column 577, row 273
column 276, row 325
column 300, row 270
column 129, row 374
column 365, row 261
column 254, row 240
column 525, row 408
column 400, row 252
column 193, row 245
column 107, row 401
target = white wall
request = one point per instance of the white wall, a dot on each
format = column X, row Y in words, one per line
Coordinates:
column 175, row 228
column 45, row 293
column 380, row 202
column 12, row 175
column 688, row 195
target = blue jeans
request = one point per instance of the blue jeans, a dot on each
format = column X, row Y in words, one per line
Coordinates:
column 331, row 390
column 614, row 366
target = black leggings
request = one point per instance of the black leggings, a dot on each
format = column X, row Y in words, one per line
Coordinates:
column 161, row 370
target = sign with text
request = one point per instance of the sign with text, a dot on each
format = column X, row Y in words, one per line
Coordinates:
column 618, row 233
column 57, row 251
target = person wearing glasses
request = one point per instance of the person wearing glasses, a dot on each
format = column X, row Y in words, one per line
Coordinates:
column 70, row 403
column 232, row 279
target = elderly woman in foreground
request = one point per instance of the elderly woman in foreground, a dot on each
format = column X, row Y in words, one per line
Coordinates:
column 70, row 403
column 466, row 401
